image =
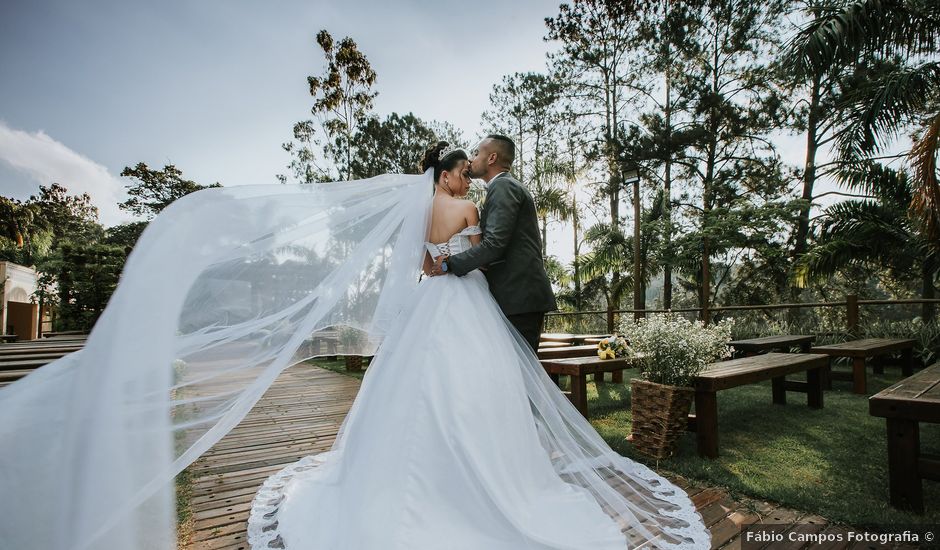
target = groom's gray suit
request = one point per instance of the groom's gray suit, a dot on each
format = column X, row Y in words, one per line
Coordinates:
column 511, row 252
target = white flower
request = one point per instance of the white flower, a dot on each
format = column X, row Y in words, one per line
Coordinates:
column 675, row 349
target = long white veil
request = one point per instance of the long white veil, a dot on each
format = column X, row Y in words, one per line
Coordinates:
column 225, row 289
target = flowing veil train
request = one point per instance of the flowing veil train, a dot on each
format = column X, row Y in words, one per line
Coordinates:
column 225, row 289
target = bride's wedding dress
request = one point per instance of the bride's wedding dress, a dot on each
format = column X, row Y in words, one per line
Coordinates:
column 458, row 439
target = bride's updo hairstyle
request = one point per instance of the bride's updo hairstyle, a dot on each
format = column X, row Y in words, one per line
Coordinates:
column 449, row 162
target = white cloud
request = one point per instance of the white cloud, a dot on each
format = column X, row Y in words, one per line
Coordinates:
column 48, row 161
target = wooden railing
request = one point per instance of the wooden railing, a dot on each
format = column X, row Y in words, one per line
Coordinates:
column 851, row 305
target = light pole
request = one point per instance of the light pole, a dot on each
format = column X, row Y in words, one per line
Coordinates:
column 632, row 176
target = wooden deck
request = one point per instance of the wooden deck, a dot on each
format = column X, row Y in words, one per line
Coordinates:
column 301, row 413
column 19, row 359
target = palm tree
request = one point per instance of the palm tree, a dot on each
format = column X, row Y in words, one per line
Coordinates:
column 878, row 231
column 551, row 199
column 612, row 252
column 901, row 39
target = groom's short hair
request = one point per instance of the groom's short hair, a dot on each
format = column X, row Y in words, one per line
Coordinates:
column 505, row 148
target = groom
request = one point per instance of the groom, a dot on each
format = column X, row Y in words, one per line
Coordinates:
column 511, row 250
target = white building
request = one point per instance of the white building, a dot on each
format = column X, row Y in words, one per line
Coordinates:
column 18, row 315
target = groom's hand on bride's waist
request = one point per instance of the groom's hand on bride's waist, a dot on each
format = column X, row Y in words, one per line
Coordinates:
column 439, row 267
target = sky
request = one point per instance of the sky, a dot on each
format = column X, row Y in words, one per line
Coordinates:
column 215, row 86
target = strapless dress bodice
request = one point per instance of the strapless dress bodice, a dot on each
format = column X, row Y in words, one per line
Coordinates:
column 458, row 243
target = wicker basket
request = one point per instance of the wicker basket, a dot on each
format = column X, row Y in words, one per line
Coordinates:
column 354, row 363
column 660, row 416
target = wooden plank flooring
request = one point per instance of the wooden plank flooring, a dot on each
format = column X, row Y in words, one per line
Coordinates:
column 301, row 414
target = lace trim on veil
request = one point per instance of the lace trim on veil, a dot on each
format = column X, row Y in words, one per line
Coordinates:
column 262, row 520
column 263, row 530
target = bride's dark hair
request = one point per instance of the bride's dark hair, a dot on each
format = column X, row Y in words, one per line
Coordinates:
column 449, row 162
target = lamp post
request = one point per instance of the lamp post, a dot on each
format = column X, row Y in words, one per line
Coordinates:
column 632, row 176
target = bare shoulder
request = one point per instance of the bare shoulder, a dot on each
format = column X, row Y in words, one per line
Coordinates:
column 470, row 212
column 468, row 205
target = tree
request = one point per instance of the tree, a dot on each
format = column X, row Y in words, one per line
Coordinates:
column 154, row 190
column 666, row 32
column 304, row 163
column 87, row 275
column 878, row 231
column 446, row 131
column 124, row 235
column 596, row 37
column 733, row 110
column 902, row 33
column 36, row 232
column 611, row 251
column 526, row 106
column 31, row 230
column 393, row 145
column 26, row 235
column 71, row 217
column 343, row 99
column 550, row 196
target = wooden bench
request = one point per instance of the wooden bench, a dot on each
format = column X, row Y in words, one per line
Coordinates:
column 859, row 350
column 70, row 333
column 24, row 364
column 571, row 339
column 904, row 405
column 567, row 351
column 11, row 371
column 10, row 376
column 578, row 368
column 548, row 345
column 749, row 370
column 553, row 352
column 20, row 359
column 30, row 356
column 8, row 351
column 781, row 343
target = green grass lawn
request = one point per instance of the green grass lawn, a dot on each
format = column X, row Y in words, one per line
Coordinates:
column 832, row 462
column 338, row 365
column 184, row 508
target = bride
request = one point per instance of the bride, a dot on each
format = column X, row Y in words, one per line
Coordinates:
column 458, row 438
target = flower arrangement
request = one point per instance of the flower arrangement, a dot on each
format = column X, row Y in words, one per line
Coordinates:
column 350, row 337
column 179, row 369
column 351, row 340
column 613, row 346
column 675, row 350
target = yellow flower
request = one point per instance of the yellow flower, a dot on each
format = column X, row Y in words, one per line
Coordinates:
column 606, row 353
